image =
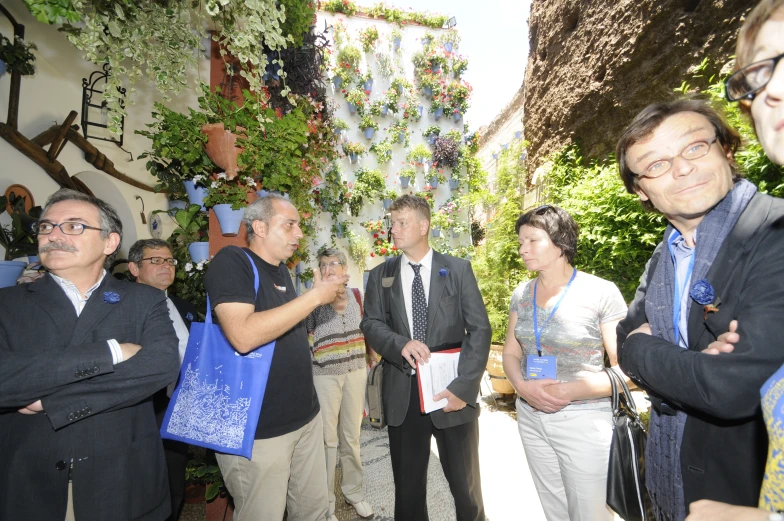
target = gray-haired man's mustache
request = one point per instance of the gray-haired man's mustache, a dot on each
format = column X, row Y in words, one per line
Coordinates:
column 52, row 246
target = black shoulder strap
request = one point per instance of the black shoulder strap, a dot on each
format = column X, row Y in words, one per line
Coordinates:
column 390, row 265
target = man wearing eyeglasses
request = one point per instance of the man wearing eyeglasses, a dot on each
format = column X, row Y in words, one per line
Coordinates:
column 81, row 354
column 151, row 262
column 718, row 269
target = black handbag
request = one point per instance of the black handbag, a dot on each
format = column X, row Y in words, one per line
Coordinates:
column 626, row 492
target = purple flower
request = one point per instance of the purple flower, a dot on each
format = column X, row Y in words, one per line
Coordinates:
column 702, row 292
column 110, row 297
column 443, row 272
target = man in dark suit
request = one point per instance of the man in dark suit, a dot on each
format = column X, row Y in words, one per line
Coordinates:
column 428, row 301
column 81, row 355
column 151, row 262
column 719, row 262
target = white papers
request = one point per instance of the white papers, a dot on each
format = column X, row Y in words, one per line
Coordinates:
column 435, row 376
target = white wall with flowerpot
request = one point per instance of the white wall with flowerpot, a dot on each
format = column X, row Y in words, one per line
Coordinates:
column 46, row 99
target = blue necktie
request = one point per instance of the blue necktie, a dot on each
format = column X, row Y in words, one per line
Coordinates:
column 418, row 305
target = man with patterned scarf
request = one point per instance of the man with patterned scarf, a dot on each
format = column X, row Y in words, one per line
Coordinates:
column 718, row 269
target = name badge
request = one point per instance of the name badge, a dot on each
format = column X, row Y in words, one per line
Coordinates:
column 540, row 367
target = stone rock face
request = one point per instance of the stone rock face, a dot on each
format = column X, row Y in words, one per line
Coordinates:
column 594, row 64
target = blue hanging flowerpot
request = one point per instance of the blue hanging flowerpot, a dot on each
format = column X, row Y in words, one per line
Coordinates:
column 200, row 251
column 396, row 42
column 458, row 116
column 436, row 68
column 437, row 114
column 504, row 146
column 352, row 158
column 436, row 232
column 454, row 184
column 455, row 234
column 339, row 231
column 387, row 203
column 434, row 182
column 10, row 271
column 428, row 91
column 368, row 85
column 196, row 194
column 420, row 108
column 337, row 81
column 228, row 219
column 401, row 138
column 425, row 41
column 431, row 139
column 262, row 193
column 176, row 205
column 448, row 46
column 384, row 109
column 518, row 134
column 369, row 132
column 404, row 181
column 352, row 109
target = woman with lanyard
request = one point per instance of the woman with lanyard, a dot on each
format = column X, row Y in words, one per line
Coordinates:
column 561, row 325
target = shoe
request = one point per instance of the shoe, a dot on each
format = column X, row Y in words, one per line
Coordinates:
column 363, row 508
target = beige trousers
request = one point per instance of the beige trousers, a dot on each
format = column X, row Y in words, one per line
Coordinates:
column 342, row 400
column 69, row 513
column 285, row 473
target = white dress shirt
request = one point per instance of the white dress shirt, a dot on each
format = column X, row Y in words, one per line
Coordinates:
column 79, row 303
column 182, row 336
column 407, row 279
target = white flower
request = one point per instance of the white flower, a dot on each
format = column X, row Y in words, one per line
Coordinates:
column 200, row 266
column 188, row 266
column 222, row 175
column 214, row 184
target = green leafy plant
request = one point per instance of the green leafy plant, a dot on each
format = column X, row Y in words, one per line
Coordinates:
column 347, row 7
column 306, row 275
column 459, row 66
column 358, row 249
column 349, row 58
column 205, row 471
column 407, row 173
column 358, row 98
column 339, row 124
column 299, row 17
column 369, row 185
column 419, row 154
column 400, row 127
column 368, row 37
column 383, row 151
column 367, row 121
column 354, row 147
column 331, row 195
column 432, row 130
column 427, row 195
column 224, row 191
column 17, row 55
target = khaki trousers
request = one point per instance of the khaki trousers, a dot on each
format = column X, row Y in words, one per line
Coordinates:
column 342, row 400
column 69, row 513
column 286, row 473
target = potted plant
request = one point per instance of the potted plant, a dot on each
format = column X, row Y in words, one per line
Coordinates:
column 374, row 228
column 383, row 151
column 339, row 228
column 228, row 198
column 368, row 125
column 387, row 197
column 401, row 85
column 356, row 100
column 446, row 152
column 431, row 133
column 396, row 36
column 368, row 37
column 366, row 81
column 353, row 150
column 438, row 220
column 191, row 233
column 449, row 40
column 18, row 240
column 406, row 175
column 399, row 131
column 437, row 108
column 383, row 247
column 358, row 249
column 16, row 56
column 457, row 93
column 458, row 228
column 459, row 66
column 419, row 155
column 436, row 178
column 339, row 125
column 370, row 184
column 306, row 277
column 427, row 195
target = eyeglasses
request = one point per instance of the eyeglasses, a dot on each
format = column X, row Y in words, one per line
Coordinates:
column 333, row 264
column 160, row 260
column 68, row 228
column 691, row 152
column 541, row 210
column 745, row 83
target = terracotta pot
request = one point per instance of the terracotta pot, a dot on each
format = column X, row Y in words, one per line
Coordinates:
column 495, row 369
column 220, row 147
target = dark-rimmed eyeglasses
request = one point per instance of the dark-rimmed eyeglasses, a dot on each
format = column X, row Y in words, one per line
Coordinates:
column 751, row 79
column 160, row 260
column 690, row 152
column 67, row 227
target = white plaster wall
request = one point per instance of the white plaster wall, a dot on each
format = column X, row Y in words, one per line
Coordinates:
column 48, row 96
column 409, row 45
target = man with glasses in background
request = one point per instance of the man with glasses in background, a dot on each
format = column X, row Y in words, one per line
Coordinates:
column 81, row 354
column 715, row 280
column 151, row 262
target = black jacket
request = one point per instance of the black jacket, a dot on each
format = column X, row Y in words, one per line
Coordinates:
column 724, row 444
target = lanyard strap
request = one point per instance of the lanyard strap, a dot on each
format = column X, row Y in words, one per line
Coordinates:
column 537, row 331
column 679, row 287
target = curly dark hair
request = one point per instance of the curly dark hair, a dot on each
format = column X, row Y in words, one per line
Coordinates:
column 558, row 224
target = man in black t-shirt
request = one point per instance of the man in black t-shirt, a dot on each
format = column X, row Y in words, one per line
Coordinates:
column 288, row 467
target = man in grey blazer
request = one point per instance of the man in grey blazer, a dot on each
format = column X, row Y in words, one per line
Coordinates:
column 424, row 302
column 81, row 354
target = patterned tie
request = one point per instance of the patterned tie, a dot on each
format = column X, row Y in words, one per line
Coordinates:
column 418, row 304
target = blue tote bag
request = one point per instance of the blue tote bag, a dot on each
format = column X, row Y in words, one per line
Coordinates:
column 218, row 397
